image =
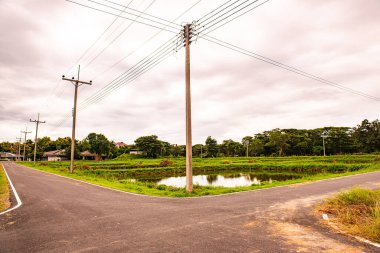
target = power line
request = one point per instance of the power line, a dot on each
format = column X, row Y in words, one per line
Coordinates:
column 145, row 42
column 143, row 23
column 167, row 47
column 238, row 16
column 286, row 67
column 117, row 37
column 144, row 13
column 97, row 40
column 131, row 74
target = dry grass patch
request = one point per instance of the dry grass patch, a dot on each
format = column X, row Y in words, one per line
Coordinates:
column 4, row 191
column 356, row 212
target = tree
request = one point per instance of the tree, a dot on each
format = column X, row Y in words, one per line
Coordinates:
column 150, row 145
column 212, row 147
column 99, row 144
column 279, row 139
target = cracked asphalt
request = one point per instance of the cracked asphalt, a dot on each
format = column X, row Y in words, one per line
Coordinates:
column 63, row 215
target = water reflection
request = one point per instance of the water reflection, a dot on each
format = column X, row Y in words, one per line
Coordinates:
column 230, row 180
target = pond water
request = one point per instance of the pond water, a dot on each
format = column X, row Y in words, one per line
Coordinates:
column 234, row 180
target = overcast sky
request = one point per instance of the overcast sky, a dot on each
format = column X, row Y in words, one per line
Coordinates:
column 233, row 95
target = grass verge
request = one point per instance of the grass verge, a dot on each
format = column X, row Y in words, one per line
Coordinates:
column 356, row 212
column 4, row 191
column 152, row 189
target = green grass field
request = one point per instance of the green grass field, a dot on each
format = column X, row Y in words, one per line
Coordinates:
column 120, row 173
column 4, row 191
column 356, row 212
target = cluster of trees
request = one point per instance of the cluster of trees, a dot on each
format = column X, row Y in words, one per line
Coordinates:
column 364, row 138
column 95, row 143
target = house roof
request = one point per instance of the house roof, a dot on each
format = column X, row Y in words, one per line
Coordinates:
column 54, row 153
column 7, row 155
column 87, row 153
column 120, row 144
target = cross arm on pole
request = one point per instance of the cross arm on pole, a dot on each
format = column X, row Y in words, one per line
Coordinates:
column 76, row 81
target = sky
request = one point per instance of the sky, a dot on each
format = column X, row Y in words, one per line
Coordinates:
column 233, row 95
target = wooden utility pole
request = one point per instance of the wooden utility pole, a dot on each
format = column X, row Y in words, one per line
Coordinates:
column 35, row 139
column 189, row 151
column 19, row 148
column 76, row 83
column 25, row 132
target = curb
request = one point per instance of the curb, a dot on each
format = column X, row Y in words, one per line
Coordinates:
column 19, row 202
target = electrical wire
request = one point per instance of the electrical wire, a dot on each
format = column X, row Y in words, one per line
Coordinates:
column 107, row 12
column 97, row 40
column 286, row 67
column 144, row 43
column 117, row 37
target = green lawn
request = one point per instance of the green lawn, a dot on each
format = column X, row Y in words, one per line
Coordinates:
column 356, row 212
column 4, row 191
column 119, row 173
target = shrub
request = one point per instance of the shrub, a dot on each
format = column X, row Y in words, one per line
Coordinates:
column 227, row 162
column 166, row 163
column 161, row 187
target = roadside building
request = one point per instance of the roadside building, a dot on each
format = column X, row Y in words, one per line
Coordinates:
column 54, row 155
column 136, row 152
column 120, row 145
column 87, row 155
column 8, row 156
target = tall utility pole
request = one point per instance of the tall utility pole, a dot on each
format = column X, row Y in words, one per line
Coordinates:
column 189, row 151
column 25, row 132
column 35, row 139
column 76, row 83
column 19, row 148
column 246, row 142
column 324, row 135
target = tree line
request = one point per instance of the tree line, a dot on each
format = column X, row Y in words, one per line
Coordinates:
column 363, row 138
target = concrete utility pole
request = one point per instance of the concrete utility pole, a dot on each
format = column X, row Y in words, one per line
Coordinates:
column 324, row 135
column 247, row 143
column 76, row 83
column 19, row 148
column 35, row 139
column 25, row 132
column 189, row 151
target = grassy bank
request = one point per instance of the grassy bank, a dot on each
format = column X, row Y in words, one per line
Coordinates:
column 356, row 212
column 120, row 174
column 4, row 191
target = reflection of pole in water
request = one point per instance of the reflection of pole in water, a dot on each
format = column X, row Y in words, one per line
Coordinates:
column 255, row 181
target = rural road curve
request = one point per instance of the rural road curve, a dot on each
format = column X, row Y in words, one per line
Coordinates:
column 62, row 215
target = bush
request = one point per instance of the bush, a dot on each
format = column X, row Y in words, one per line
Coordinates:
column 161, row 187
column 227, row 162
column 166, row 163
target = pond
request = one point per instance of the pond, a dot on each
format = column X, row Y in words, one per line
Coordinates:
column 230, row 180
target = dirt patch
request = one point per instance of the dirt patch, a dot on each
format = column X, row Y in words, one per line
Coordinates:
column 306, row 239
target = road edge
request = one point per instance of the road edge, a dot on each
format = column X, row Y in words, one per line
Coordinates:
column 19, row 202
column 195, row 197
column 333, row 226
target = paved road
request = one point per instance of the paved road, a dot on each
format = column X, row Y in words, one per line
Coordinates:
column 62, row 215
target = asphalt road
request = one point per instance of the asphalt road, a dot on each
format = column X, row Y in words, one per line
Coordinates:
column 62, row 215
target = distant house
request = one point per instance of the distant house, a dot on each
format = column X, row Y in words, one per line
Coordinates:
column 136, row 152
column 8, row 156
column 120, row 145
column 87, row 155
column 55, row 155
